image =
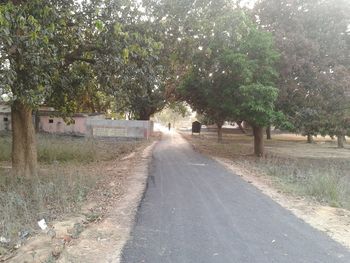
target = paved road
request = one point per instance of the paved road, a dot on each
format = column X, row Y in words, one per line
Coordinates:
column 196, row 211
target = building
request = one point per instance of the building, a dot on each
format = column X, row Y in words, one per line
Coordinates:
column 81, row 124
column 76, row 125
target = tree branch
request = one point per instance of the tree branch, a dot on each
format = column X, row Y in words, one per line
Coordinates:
column 77, row 55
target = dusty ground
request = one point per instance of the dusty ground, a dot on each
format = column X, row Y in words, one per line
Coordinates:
column 289, row 145
column 334, row 221
column 99, row 231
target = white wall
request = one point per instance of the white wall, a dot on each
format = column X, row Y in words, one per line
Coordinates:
column 119, row 128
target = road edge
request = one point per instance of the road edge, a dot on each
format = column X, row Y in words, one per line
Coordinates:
column 104, row 242
column 132, row 199
column 329, row 220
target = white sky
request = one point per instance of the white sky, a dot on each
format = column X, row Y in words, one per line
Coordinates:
column 247, row 3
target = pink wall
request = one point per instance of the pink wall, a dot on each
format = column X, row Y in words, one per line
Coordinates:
column 58, row 125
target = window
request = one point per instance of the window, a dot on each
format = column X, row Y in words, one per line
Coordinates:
column 6, row 119
column 50, row 120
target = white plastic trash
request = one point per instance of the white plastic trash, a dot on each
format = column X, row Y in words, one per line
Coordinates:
column 42, row 224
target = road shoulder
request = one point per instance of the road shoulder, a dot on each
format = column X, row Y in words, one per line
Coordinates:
column 333, row 221
column 104, row 241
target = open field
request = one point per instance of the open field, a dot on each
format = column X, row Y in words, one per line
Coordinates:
column 70, row 169
column 319, row 171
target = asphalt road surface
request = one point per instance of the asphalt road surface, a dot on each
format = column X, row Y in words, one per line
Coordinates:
column 196, row 211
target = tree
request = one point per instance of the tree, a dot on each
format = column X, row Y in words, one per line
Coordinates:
column 50, row 51
column 313, row 38
column 28, row 64
column 257, row 107
column 233, row 73
column 142, row 86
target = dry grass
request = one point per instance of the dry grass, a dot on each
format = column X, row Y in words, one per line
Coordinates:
column 63, row 149
column 69, row 171
column 319, row 171
column 327, row 181
column 24, row 201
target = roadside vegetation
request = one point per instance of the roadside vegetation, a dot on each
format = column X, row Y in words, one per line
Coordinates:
column 66, row 149
column 318, row 171
column 69, row 171
column 276, row 63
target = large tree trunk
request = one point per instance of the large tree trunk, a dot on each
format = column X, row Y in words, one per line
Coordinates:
column 219, row 132
column 310, row 139
column 24, row 152
column 258, row 141
column 268, row 132
column 340, row 140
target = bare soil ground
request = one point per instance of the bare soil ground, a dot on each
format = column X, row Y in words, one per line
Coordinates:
column 287, row 145
column 284, row 175
column 97, row 230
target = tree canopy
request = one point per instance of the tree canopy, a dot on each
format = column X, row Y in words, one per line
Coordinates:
column 313, row 38
column 233, row 71
column 52, row 52
column 229, row 63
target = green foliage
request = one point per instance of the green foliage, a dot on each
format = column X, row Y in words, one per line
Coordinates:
column 173, row 113
column 257, row 103
column 76, row 57
column 28, row 53
column 233, row 71
column 180, row 108
column 313, row 38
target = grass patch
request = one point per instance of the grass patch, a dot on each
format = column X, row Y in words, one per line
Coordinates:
column 63, row 149
column 69, row 171
column 326, row 181
column 24, row 201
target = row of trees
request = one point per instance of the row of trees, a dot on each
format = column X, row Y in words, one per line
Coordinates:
column 218, row 61
column 295, row 78
column 283, row 63
column 313, row 37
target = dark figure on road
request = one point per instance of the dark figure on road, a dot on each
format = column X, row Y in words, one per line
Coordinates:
column 169, row 126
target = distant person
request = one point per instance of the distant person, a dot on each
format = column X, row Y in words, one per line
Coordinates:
column 169, row 126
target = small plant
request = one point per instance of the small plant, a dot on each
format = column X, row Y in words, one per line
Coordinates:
column 328, row 188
